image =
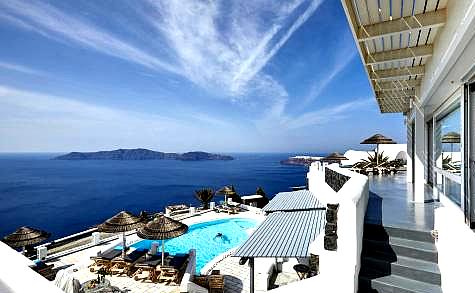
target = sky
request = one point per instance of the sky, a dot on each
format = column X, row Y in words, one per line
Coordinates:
column 218, row 76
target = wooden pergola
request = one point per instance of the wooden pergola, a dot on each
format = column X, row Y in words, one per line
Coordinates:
column 395, row 40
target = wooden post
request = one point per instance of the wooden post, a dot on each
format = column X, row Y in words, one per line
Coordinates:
column 251, row 277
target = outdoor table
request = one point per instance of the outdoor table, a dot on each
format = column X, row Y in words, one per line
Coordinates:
column 302, row 270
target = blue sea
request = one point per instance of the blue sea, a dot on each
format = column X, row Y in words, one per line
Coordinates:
column 65, row 197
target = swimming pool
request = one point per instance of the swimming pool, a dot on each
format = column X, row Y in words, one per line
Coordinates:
column 203, row 237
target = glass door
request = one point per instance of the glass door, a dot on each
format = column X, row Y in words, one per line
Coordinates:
column 447, row 152
column 469, row 153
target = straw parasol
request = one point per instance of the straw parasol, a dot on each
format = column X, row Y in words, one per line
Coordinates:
column 122, row 222
column 378, row 139
column 25, row 236
column 451, row 137
column 162, row 228
column 334, row 157
column 226, row 190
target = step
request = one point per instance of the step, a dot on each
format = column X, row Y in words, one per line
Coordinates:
column 400, row 247
column 369, row 282
column 410, row 268
column 378, row 232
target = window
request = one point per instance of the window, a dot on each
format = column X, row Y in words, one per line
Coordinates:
column 447, row 155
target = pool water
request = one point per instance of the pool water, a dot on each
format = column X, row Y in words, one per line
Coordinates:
column 204, row 238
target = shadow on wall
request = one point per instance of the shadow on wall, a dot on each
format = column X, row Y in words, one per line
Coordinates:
column 374, row 211
column 377, row 254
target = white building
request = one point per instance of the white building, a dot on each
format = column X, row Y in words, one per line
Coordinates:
column 420, row 60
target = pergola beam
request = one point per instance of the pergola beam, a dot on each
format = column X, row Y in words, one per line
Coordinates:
column 405, row 24
column 398, row 55
column 391, row 94
column 396, row 84
column 397, row 73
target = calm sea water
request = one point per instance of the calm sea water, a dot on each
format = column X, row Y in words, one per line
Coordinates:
column 64, row 197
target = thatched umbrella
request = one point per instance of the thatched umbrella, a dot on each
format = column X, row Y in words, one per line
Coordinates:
column 25, row 236
column 226, row 190
column 122, row 222
column 162, row 228
column 451, row 137
column 378, row 139
column 334, row 157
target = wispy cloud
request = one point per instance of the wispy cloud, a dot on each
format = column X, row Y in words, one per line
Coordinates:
column 266, row 50
column 345, row 52
column 56, row 24
column 327, row 114
column 20, row 68
column 33, row 121
column 224, row 45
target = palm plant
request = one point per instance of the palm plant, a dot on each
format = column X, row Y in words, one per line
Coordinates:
column 374, row 161
column 205, row 196
column 450, row 165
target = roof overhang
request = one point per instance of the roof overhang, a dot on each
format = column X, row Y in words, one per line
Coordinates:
column 299, row 200
column 395, row 41
column 284, row 234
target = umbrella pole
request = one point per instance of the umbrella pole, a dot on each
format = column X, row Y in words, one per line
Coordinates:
column 123, row 245
column 451, row 152
column 163, row 252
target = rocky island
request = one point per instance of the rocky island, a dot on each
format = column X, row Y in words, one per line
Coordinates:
column 300, row 160
column 142, row 154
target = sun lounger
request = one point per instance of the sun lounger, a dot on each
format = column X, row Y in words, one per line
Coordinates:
column 103, row 259
column 124, row 266
column 168, row 275
column 46, row 270
column 170, row 271
column 146, row 267
column 216, row 283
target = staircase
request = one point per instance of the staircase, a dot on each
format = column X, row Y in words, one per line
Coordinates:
column 398, row 260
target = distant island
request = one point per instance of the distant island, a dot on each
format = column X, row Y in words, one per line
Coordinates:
column 142, row 154
column 300, row 160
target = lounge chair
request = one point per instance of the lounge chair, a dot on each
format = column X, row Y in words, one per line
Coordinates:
column 124, row 266
column 46, row 270
column 168, row 275
column 213, row 283
column 170, row 271
column 146, row 273
column 216, row 283
column 148, row 267
column 103, row 259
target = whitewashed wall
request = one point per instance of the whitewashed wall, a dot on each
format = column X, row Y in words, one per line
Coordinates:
column 16, row 276
column 338, row 269
column 455, row 247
